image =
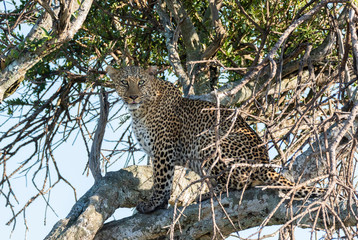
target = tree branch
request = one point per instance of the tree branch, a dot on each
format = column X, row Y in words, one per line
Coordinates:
column 220, row 32
column 232, row 92
column 48, row 9
column 125, row 187
column 249, row 89
column 117, row 189
column 313, row 162
column 190, row 36
column 250, row 213
column 353, row 30
column 173, row 54
column 16, row 70
column 94, row 158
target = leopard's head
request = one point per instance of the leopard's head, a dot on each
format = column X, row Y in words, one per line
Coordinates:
column 133, row 84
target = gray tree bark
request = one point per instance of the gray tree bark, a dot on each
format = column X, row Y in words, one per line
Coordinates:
column 125, row 187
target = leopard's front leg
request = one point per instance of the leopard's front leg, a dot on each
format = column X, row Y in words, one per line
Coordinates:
column 163, row 171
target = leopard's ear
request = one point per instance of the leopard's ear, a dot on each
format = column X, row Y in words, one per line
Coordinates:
column 152, row 70
column 112, row 72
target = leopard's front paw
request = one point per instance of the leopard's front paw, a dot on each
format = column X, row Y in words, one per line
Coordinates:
column 144, row 207
column 148, row 207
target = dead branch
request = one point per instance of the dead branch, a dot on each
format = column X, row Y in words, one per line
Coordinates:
column 94, row 158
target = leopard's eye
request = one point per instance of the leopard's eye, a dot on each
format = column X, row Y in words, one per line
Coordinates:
column 124, row 83
column 141, row 82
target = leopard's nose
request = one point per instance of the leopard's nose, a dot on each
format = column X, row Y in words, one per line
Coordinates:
column 133, row 97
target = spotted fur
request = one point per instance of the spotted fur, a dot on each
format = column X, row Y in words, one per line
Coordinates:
column 179, row 131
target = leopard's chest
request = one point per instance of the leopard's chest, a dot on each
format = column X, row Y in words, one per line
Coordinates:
column 144, row 137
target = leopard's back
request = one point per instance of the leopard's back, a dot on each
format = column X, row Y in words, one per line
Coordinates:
column 200, row 133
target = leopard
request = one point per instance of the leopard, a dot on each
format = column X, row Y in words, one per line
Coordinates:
column 212, row 141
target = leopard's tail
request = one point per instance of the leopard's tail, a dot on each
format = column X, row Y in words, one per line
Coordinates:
column 275, row 179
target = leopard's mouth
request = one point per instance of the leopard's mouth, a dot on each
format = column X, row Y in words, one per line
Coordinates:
column 132, row 105
column 136, row 101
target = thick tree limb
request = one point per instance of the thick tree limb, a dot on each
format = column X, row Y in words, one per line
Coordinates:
column 125, row 187
column 43, row 23
column 250, row 213
column 99, row 203
column 117, row 189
